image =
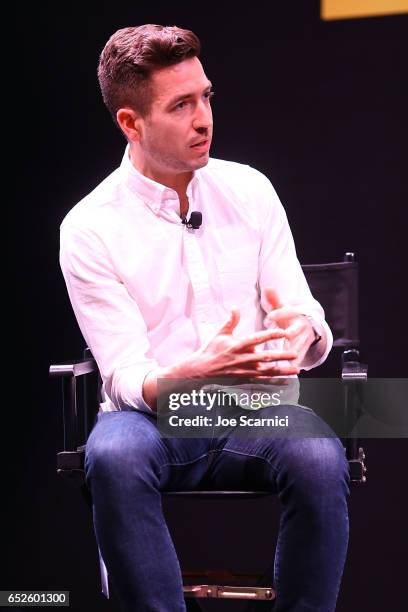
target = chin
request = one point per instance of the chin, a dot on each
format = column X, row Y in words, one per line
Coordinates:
column 200, row 163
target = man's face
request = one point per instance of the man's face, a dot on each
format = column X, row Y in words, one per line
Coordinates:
column 176, row 134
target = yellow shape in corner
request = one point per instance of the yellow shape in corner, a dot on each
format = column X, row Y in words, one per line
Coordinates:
column 349, row 9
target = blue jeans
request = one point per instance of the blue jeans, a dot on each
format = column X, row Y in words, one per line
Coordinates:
column 128, row 465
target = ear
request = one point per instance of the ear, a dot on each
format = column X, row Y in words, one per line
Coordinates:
column 130, row 123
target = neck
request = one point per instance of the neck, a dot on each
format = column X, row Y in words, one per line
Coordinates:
column 178, row 182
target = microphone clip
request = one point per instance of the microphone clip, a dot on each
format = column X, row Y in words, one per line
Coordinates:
column 195, row 220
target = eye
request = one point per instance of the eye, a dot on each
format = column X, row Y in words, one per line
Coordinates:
column 180, row 105
column 209, row 94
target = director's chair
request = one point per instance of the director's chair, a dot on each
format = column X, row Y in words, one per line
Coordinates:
column 335, row 286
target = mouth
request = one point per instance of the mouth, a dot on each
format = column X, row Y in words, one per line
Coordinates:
column 201, row 145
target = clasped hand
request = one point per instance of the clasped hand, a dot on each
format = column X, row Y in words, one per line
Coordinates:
column 226, row 355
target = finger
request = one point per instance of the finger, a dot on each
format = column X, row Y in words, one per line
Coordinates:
column 260, row 337
column 266, row 356
column 278, row 370
column 231, row 324
column 281, row 315
column 273, row 298
column 300, row 343
column 295, row 329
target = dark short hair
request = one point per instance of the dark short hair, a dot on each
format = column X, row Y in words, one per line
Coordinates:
column 130, row 57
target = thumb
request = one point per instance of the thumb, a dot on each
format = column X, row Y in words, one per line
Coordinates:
column 231, row 323
column 273, row 298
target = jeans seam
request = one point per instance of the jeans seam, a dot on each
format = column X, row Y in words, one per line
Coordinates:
column 227, row 450
column 188, row 462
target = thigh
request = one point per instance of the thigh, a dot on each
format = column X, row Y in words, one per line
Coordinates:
column 258, row 460
column 127, row 440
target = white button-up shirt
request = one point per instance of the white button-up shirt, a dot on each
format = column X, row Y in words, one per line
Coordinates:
column 147, row 291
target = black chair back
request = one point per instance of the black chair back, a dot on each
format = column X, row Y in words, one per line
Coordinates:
column 335, row 286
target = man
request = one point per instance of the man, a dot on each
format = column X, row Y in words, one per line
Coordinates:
column 155, row 299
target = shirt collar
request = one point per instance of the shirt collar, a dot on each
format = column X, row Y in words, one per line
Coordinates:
column 155, row 195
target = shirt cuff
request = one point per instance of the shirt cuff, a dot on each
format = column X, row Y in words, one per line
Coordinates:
column 125, row 387
column 318, row 351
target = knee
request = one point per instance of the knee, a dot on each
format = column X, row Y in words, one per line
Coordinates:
column 118, row 445
column 319, row 463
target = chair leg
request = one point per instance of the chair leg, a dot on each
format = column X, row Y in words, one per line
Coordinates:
column 104, row 576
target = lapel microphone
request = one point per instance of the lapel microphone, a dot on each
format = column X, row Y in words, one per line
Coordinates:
column 195, row 220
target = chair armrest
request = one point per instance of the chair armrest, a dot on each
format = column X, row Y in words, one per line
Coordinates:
column 354, row 370
column 351, row 368
column 73, row 397
column 76, row 368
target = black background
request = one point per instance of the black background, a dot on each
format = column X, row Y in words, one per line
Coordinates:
column 320, row 107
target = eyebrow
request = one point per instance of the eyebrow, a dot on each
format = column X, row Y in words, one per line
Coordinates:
column 187, row 95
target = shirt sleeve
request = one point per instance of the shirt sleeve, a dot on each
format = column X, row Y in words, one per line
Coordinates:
column 109, row 318
column 280, row 269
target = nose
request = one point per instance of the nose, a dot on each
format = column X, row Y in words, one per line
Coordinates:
column 203, row 117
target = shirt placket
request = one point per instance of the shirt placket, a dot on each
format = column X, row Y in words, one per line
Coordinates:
column 203, row 305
